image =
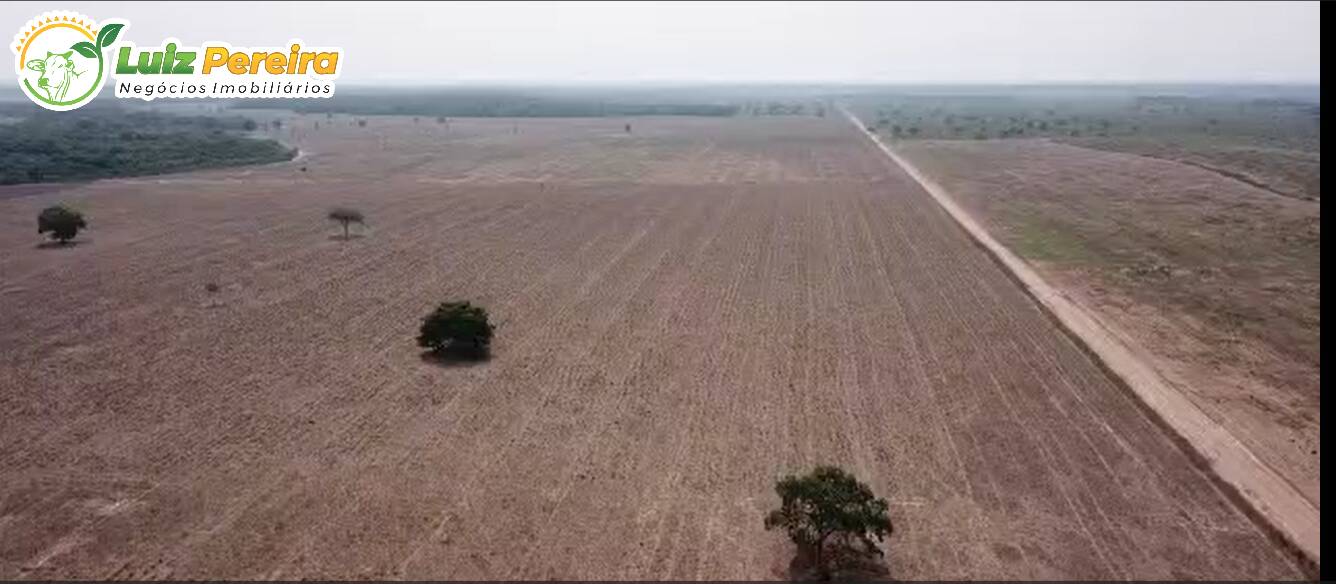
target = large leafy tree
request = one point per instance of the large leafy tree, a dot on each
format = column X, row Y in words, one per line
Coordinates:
column 829, row 507
column 62, row 222
column 457, row 327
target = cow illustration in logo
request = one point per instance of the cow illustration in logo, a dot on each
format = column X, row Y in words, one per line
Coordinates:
column 57, row 72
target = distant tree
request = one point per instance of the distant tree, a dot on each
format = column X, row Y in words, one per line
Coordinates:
column 628, row 128
column 277, row 124
column 914, row 131
column 457, row 327
column 329, row 115
column 361, row 123
column 248, row 125
column 829, row 507
column 440, row 119
column 345, row 216
column 896, row 130
column 62, row 222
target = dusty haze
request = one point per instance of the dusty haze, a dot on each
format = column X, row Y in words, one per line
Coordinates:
column 410, row 43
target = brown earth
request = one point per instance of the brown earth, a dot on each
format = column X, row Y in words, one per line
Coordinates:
column 1216, row 281
column 686, row 313
column 1290, row 172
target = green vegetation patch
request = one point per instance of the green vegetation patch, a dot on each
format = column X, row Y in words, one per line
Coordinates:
column 507, row 103
column 1046, row 240
column 111, row 142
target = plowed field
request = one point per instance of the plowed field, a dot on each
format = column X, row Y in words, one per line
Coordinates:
column 686, row 313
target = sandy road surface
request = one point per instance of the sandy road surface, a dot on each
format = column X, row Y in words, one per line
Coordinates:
column 687, row 312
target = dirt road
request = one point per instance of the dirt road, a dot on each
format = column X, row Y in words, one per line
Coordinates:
column 1269, row 493
column 686, row 314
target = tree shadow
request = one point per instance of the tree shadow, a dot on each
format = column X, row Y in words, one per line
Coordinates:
column 59, row 245
column 457, row 357
column 349, row 237
column 844, row 564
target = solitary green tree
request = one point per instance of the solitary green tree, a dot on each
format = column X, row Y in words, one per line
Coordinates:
column 345, row 216
column 829, row 506
column 457, row 327
column 62, row 222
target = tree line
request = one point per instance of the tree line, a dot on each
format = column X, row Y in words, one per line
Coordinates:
column 109, row 142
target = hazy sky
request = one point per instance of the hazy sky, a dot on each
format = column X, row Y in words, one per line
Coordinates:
column 862, row 42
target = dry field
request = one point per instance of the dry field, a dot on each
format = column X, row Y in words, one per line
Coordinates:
column 1219, row 281
column 686, row 313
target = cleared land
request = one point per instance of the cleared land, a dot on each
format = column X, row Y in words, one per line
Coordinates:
column 686, row 312
column 1218, row 281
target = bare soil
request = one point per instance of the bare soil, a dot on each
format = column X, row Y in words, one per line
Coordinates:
column 685, row 314
column 1215, row 281
column 1290, row 172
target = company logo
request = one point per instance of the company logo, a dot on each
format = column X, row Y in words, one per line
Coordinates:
column 58, row 57
column 64, row 58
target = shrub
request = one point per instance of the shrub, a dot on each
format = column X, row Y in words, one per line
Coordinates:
column 457, row 327
column 345, row 216
column 63, row 223
column 829, row 506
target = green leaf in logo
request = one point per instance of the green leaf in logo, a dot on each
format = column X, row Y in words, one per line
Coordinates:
column 86, row 49
column 107, row 35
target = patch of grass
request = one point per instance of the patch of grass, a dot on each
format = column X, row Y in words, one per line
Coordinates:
column 1046, row 240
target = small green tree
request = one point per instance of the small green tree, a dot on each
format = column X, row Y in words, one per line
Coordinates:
column 829, row 506
column 62, row 222
column 457, row 327
column 345, row 216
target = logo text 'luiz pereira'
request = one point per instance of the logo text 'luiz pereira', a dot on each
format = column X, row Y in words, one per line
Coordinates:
column 64, row 58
